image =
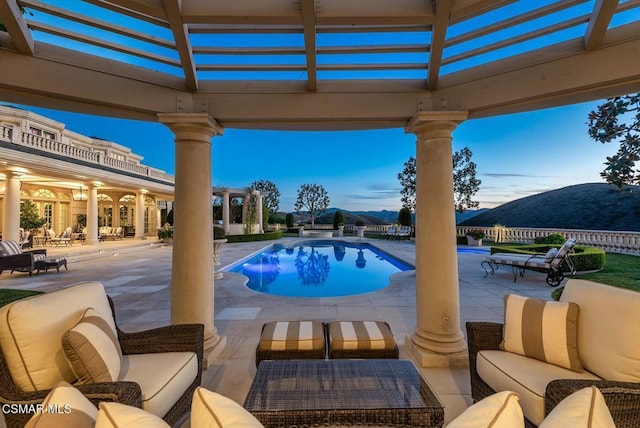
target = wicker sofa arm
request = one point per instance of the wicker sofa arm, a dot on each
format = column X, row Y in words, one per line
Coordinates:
column 171, row 338
column 121, row 392
column 37, row 251
column 483, row 335
column 623, row 398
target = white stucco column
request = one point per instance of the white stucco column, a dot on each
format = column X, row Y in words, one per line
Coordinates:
column 225, row 211
column 11, row 209
column 258, row 212
column 437, row 340
column 192, row 290
column 92, row 214
column 140, row 214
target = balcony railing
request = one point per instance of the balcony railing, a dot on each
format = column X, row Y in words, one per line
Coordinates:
column 16, row 136
column 613, row 241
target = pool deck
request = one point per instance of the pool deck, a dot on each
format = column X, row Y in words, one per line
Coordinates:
column 137, row 275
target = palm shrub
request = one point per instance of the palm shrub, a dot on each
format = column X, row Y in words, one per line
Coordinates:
column 338, row 220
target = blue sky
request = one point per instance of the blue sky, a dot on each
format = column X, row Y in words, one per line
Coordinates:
column 517, row 155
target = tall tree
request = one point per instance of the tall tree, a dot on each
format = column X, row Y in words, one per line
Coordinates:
column 270, row 194
column 465, row 183
column 314, row 198
column 607, row 124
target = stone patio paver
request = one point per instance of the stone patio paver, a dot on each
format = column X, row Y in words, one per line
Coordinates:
column 137, row 275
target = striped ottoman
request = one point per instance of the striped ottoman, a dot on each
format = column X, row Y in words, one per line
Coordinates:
column 361, row 339
column 291, row 340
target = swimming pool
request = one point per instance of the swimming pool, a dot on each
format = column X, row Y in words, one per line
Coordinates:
column 319, row 269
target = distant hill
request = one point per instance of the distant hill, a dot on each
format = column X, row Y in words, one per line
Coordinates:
column 592, row 206
column 377, row 217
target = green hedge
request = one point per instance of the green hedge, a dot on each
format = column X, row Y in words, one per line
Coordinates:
column 583, row 258
column 267, row 236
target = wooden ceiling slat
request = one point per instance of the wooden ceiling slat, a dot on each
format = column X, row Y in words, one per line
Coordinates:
column 603, row 11
column 96, row 23
column 14, row 22
column 183, row 44
column 101, row 43
column 310, row 43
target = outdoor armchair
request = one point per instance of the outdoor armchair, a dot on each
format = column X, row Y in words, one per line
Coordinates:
column 607, row 324
column 14, row 259
column 161, row 368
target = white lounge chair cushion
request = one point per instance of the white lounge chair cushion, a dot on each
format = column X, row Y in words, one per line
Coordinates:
column 212, row 410
column 608, row 328
column 72, row 409
column 31, row 331
column 117, row 415
column 584, row 408
column 542, row 329
column 550, row 254
column 93, row 349
column 500, row 410
column 163, row 377
column 528, row 377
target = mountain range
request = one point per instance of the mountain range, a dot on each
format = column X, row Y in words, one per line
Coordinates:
column 591, row 206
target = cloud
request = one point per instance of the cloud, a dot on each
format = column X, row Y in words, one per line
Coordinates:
column 377, row 195
column 383, row 187
column 503, row 175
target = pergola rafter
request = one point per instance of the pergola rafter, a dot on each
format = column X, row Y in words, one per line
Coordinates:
column 11, row 16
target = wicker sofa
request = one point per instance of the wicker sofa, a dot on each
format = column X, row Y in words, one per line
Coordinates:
column 161, row 368
column 14, row 259
column 608, row 328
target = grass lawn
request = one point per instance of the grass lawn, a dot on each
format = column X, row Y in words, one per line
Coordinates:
column 8, row 295
column 620, row 270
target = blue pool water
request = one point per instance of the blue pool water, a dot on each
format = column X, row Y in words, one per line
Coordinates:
column 319, row 269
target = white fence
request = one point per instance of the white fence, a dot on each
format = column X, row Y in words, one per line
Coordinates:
column 615, row 242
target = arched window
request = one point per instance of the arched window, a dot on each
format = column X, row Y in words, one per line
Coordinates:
column 46, row 210
column 127, row 206
column 44, row 194
column 105, row 210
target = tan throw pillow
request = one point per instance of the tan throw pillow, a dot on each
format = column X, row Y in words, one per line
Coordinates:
column 209, row 409
column 65, row 406
column 500, row 410
column 542, row 329
column 93, row 350
column 585, row 408
column 117, row 415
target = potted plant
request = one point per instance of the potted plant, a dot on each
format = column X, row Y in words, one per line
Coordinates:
column 166, row 235
column 474, row 237
column 360, row 226
column 219, row 238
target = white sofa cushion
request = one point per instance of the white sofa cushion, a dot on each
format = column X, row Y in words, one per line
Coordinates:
column 212, row 410
column 163, row 377
column 608, row 328
column 65, row 406
column 93, row 349
column 117, row 415
column 541, row 329
column 584, row 408
column 31, row 330
column 500, row 410
column 528, row 377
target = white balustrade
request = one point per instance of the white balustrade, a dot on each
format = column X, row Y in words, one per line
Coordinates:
column 67, row 150
column 608, row 240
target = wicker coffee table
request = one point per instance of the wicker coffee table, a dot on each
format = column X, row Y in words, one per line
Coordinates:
column 342, row 392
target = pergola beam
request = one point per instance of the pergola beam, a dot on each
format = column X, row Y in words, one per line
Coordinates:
column 150, row 16
column 181, row 37
column 601, row 16
column 11, row 17
column 310, row 43
column 438, row 34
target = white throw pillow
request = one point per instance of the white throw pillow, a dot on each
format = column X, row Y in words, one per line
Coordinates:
column 500, row 410
column 212, row 410
column 93, row 349
column 585, row 409
column 65, row 406
column 117, row 415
